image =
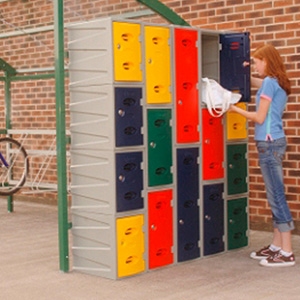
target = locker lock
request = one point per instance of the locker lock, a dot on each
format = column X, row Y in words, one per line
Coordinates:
column 121, row 178
column 231, row 166
column 153, row 227
column 121, row 112
column 207, row 141
column 207, row 217
column 181, row 222
column 152, row 145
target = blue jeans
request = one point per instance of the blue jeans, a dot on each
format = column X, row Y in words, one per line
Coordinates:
column 270, row 155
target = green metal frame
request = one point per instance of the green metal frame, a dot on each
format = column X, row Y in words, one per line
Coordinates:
column 164, row 11
column 61, row 138
column 10, row 74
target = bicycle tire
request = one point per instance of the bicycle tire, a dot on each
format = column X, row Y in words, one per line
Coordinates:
column 13, row 177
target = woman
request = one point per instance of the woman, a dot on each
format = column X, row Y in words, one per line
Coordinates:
column 273, row 89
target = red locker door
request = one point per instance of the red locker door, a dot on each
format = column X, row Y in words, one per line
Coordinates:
column 160, row 228
column 186, row 74
column 212, row 146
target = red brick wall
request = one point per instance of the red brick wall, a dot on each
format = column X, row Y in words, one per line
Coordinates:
column 277, row 22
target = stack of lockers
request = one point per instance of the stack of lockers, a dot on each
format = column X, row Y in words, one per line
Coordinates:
column 156, row 180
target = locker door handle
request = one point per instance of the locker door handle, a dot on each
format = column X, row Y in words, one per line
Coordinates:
column 246, row 64
column 207, row 217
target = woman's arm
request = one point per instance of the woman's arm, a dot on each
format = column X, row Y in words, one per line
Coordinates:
column 258, row 116
column 256, row 82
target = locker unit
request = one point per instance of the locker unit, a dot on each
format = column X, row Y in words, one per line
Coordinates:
column 160, row 228
column 93, row 241
column 188, row 224
column 186, row 79
column 237, row 223
column 157, row 64
column 212, row 146
column 127, row 51
column 153, row 174
column 234, row 74
column 213, row 212
column 236, row 125
column 129, row 181
column 237, row 169
column 130, row 245
column 128, row 116
column 93, row 185
column 104, row 51
column 159, row 147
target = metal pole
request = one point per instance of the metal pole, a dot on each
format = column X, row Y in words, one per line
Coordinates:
column 61, row 136
column 10, row 203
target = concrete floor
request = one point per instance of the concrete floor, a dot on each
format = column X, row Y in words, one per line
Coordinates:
column 29, row 269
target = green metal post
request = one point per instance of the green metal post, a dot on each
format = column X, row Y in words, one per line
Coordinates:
column 61, row 136
column 164, row 11
column 10, row 203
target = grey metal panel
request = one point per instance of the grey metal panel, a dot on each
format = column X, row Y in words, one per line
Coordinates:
column 93, row 180
column 92, row 118
column 94, row 243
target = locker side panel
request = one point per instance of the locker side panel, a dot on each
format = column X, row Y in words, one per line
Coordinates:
column 94, row 243
column 90, row 53
column 93, row 180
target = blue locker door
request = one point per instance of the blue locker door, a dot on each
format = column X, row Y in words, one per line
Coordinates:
column 234, row 76
column 188, row 209
column 129, row 181
column 213, row 218
column 128, row 116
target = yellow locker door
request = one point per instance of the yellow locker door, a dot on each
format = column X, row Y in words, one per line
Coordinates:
column 130, row 245
column 236, row 124
column 127, row 51
column 157, row 65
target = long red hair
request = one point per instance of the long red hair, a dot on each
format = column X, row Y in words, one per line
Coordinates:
column 274, row 65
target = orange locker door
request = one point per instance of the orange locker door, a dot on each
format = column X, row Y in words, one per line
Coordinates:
column 212, row 146
column 186, row 74
column 130, row 245
column 127, row 51
column 157, row 65
column 236, row 124
column 160, row 228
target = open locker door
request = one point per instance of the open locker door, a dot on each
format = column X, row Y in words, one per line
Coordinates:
column 234, row 75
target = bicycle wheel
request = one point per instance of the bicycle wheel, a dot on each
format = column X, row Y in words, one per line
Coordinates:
column 14, row 166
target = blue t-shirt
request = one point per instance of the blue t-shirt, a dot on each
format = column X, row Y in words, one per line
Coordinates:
column 272, row 127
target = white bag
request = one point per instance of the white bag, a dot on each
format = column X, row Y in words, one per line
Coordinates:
column 216, row 98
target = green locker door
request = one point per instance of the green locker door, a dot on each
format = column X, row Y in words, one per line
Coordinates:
column 159, row 147
column 237, row 169
column 237, row 223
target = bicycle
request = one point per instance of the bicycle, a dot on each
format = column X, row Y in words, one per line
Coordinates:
column 14, row 166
